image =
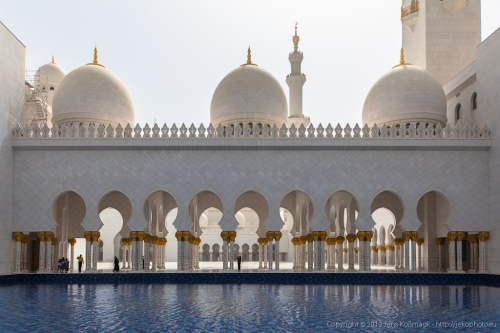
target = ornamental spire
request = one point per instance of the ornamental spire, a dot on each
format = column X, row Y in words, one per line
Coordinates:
column 296, row 39
column 402, row 59
column 249, row 58
column 96, row 59
column 53, row 59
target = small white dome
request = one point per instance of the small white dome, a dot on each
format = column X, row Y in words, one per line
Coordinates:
column 50, row 74
column 405, row 94
column 249, row 94
column 92, row 94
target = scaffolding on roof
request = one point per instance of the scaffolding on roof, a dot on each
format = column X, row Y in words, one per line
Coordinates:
column 35, row 106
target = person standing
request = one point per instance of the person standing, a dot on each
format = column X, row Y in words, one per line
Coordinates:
column 116, row 268
column 80, row 263
column 239, row 263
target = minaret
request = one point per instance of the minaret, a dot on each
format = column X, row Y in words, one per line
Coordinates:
column 295, row 82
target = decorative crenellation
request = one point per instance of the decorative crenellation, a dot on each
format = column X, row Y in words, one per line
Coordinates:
column 101, row 131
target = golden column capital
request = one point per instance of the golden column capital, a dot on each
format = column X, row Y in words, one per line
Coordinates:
column 340, row 239
column 123, row 241
column 95, row 236
column 140, row 235
column 483, row 236
column 265, row 241
column 388, row 248
column 323, row 235
column 420, row 241
column 440, row 241
column 356, row 249
column 185, row 235
column 452, row 236
column 133, row 235
column 224, row 235
column 270, row 235
column 361, row 236
column 294, row 241
column 154, row 240
column 368, row 235
column 406, row 236
column 18, row 236
column 460, row 236
column 72, row 241
column 49, row 236
column 351, row 238
column 316, row 235
column 447, row 240
column 259, row 241
column 277, row 235
column 345, row 250
column 303, row 239
column 471, row 238
column 309, row 238
column 41, row 236
column 373, row 248
column 232, row 236
column 380, row 248
column 178, row 235
column 414, row 236
column 26, row 239
column 54, row 241
column 147, row 238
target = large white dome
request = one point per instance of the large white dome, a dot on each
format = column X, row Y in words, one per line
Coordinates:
column 249, row 94
column 92, row 94
column 405, row 94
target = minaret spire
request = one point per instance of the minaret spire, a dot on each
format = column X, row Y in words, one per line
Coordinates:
column 402, row 61
column 295, row 82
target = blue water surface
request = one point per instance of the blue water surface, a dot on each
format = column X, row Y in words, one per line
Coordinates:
column 248, row 308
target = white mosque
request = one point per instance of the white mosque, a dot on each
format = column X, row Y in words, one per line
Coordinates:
column 415, row 187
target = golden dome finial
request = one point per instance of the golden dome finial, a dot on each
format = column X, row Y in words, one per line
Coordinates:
column 96, row 59
column 249, row 58
column 53, row 59
column 402, row 59
column 296, row 39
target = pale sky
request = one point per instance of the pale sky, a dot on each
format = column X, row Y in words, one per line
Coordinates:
column 172, row 54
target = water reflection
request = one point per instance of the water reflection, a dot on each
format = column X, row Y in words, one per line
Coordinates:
column 193, row 308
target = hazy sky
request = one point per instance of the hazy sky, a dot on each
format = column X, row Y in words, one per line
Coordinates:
column 172, row 54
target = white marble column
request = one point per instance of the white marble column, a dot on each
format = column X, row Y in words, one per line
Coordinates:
column 419, row 242
column 317, row 250
column 179, row 237
column 407, row 238
column 368, row 235
column 361, row 251
column 124, row 253
column 483, row 237
column 129, row 257
column 295, row 252
column 413, row 264
column 261, row 251
column 185, row 251
column 95, row 248
column 156, row 253
column 452, row 236
column 381, row 254
column 277, row 237
column 18, row 237
column 49, row 236
column 25, row 253
column 356, row 255
column 340, row 253
column 88, row 250
column 265, row 253
column 440, row 242
column 147, row 256
column 232, row 238
column 460, row 237
column 224, row 249
column 41, row 257
column 322, row 240
column 310, row 252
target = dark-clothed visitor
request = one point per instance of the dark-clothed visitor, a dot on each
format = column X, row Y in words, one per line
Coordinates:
column 80, row 263
column 239, row 263
column 116, row 268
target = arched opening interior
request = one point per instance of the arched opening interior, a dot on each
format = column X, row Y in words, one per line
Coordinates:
column 296, row 211
column 112, row 224
column 341, row 210
column 434, row 211
column 114, row 210
column 205, row 211
column 68, row 212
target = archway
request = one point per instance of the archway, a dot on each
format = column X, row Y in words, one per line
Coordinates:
column 387, row 211
column 434, row 211
column 68, row 212
column 114, row 211
column 341, row 210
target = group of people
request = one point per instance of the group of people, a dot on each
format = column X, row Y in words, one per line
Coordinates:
column 63, row 265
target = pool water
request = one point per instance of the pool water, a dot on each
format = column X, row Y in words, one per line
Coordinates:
column 247, row 308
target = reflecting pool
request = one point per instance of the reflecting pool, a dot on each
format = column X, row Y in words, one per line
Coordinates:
column 247, row 308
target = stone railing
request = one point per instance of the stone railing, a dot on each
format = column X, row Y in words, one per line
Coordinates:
column 236, row 131
column 413, row 8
